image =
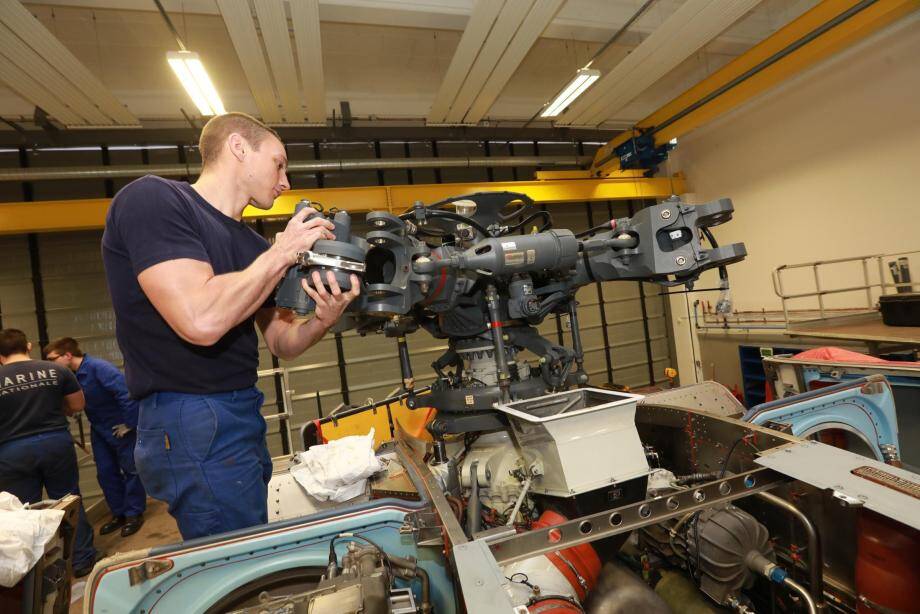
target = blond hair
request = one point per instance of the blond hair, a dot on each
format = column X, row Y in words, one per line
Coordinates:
column 218, row 128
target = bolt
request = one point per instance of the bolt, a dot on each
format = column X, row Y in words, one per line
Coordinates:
column 666, row 214
column 680, row 260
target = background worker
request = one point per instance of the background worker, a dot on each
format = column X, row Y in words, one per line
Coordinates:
column 36, row 448
column 189, row 280
column 112, row 415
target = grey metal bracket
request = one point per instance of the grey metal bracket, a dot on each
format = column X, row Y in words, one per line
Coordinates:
column 630, row 517
column 149, row 569
column 425, row 527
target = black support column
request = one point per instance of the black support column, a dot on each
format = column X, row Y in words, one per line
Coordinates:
column 648, row 339
column 600, row 303
column 35, row 262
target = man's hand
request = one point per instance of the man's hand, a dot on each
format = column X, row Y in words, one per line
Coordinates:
column 299, row 236
column 330, row 305
column 120, row 430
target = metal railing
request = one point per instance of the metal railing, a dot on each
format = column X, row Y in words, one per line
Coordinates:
column 821, row 292
column 285, row 417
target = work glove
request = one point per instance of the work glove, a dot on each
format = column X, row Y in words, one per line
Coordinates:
column 120, row 430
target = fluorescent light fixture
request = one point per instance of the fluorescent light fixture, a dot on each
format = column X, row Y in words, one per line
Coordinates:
column 584, row 78
column 194, row 78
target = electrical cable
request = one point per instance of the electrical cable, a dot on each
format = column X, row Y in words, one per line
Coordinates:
column 525, row 581
column 729, row 455
column 547, row 224
column 696, row 538
column 449, row 215
column 598, row 228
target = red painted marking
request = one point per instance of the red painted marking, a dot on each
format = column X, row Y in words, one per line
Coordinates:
column 691, row 432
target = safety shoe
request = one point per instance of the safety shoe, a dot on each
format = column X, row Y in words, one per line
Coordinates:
column 84, row 568
column 112, row 525
column 132, row 525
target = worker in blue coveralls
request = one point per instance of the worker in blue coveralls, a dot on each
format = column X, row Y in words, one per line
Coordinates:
column 189, row 281
column 36, row 448
column 112, row 415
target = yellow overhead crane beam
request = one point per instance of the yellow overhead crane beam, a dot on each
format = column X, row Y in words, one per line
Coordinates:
column 827, row 28
column 61, row 215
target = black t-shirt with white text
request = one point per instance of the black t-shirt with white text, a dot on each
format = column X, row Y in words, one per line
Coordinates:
column 32, row 398
column 153, row 220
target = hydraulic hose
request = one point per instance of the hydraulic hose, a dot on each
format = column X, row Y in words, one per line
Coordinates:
column 815, row 555
column 760, row 564
column 812, row 608
column 412, row 568
column 723, row 272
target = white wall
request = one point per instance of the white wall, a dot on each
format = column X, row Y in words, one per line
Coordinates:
column 822, row 167
column 819, row 168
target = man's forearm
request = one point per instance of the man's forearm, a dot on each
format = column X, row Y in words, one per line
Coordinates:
column 226, row 300
column 299, row 336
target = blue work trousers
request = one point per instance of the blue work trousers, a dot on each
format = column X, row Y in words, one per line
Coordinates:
column 205, row 455
column 47, row 460
column 115, row 471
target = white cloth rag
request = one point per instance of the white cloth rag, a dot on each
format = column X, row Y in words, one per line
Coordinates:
column 338, row 470
column 23, row 536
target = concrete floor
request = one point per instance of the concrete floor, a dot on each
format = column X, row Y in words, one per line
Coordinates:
column 159, row 529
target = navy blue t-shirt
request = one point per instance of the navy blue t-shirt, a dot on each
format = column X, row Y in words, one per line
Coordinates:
column 152, row 220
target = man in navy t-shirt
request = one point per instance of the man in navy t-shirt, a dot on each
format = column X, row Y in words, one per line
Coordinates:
column 36, row 449
column 189, row 280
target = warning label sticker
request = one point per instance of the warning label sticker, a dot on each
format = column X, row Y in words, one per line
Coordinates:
column 514, row 258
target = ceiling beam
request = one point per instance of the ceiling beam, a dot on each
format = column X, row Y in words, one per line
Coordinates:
column 692, row 25
column 305, row 19
column 586, row 20
column 477, row 30
column 30, row 89
column 277, row 38
column 506, row 25
column 534, row 24
column 106, row 108
column 237, row 16
column 30, row 62
column 826, row 29
column 775, row 60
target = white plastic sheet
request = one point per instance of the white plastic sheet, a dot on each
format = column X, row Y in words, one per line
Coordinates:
column 338, row 470
column 23, row 536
